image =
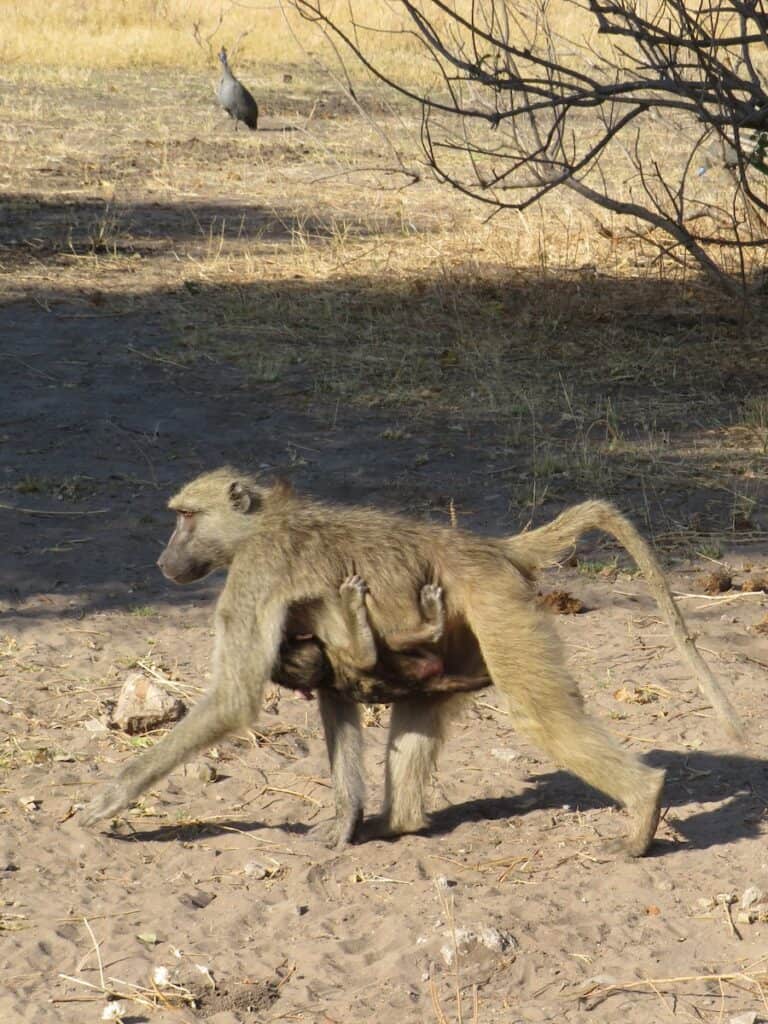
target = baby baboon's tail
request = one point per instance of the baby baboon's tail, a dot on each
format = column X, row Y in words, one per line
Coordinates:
column 548, row 544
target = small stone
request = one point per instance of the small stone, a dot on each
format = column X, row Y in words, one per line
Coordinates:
column 197, row 900
column 114, row 1010
column 161, row 976
column 143, row 705
column 750, row 1017
column 468, row 941
column 253, row 869
column 504, row 753
column 95, row 726
column 750, row 896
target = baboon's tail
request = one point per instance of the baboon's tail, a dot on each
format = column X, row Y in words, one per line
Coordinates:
column 549, row 543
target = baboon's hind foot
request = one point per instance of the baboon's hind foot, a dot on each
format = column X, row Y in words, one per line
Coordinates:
column 379, row 826
column 338, row 833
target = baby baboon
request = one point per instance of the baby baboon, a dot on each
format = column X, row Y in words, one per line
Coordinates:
column 285, row 555
column 399, row 667
column 356, row 668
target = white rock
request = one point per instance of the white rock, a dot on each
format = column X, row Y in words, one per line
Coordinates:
column 95, row 726
column 114, row 1010
column 143, row 705
column 469, row 940
column 750, row 896
column 504, row 753
column 253, row 869
column 161, row 976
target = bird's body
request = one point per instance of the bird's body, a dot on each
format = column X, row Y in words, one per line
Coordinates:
column 234, row 97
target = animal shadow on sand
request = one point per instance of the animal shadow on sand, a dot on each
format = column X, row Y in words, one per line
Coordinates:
column 737, row 786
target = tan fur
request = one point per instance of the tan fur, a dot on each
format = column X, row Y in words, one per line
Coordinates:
column 549, row 544
column 286, row 556
column 397, row 668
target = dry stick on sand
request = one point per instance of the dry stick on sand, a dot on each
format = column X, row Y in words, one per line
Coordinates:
column 757, row 979
column 449, row 910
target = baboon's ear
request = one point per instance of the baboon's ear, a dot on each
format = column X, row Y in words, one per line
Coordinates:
column 242, row 498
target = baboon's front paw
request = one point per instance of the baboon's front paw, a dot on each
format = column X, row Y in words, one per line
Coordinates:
column 644, row 817
column 355, row 588
column 110, row 802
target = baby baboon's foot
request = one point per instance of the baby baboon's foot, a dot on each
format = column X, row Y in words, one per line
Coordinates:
column 431, row 600
column 353, row 591
column 644, row 816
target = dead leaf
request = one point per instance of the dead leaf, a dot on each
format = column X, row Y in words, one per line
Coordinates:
column 716, row 582
column 560, row 602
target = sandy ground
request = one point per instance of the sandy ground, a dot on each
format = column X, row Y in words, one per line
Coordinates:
column 225, row 875
column 221, row 884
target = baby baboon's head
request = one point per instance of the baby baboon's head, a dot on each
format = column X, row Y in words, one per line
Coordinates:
column 214, row 515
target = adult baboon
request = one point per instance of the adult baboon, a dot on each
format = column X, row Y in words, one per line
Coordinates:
column 286, row 555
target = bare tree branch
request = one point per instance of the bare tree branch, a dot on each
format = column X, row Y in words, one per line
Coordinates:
column 623, row 110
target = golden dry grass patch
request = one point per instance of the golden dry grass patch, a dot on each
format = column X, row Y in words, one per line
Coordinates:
column 301, row 253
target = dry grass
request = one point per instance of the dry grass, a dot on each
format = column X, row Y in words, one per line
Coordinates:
column 67, row 35
column 563, row 347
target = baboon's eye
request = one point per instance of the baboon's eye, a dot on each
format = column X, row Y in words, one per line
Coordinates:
column 185, row 513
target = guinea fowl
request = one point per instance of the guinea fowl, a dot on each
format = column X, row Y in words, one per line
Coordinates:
column 234, row 97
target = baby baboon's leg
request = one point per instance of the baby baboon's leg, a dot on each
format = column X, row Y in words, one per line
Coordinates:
column 344, row 739
column 431, row 629
column 523, row 658
column 358, row 650
column 417, row 732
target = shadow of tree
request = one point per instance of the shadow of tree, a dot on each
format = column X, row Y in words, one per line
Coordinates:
column 52, row 231
column 499, row 392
